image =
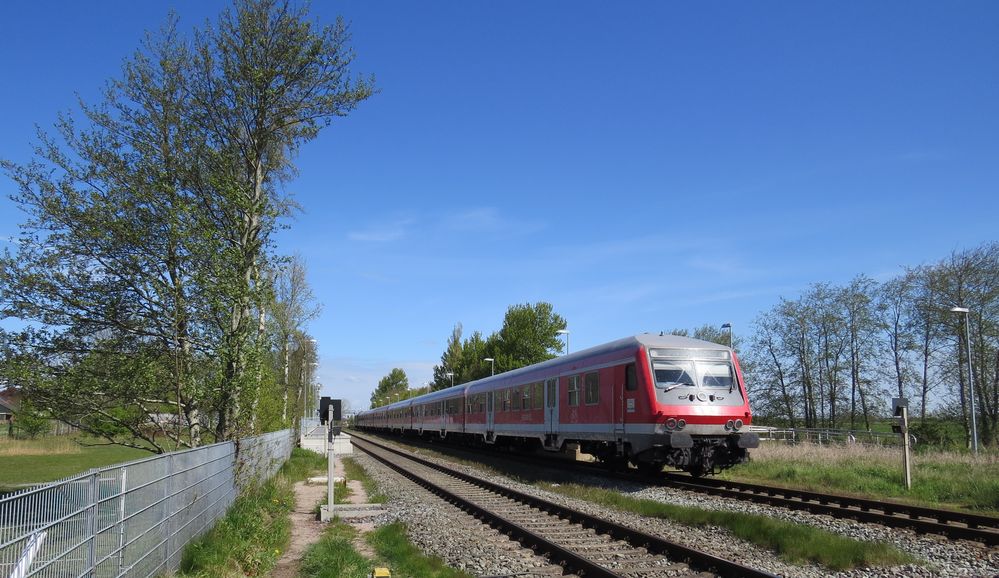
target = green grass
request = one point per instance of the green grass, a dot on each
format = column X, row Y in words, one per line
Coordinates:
column 404, row 559
column 334, row 556
column 249, row 539
column 939, row 478
column 794, row 543
column 354, row 471
column 52, row 458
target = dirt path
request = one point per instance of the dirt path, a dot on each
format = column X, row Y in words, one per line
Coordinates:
column 305, row 528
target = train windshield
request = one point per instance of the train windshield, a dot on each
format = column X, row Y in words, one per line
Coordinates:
column 672, row 373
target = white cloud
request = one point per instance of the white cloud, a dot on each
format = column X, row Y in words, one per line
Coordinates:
column 488, row 220
column 393, row 230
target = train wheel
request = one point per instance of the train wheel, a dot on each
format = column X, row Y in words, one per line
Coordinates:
column 649, row 468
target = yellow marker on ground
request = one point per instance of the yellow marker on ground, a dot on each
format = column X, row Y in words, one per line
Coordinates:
column 381, row 573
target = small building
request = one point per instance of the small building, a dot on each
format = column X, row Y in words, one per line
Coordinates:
column 9, row 404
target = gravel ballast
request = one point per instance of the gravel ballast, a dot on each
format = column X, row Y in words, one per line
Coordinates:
column 462, row 542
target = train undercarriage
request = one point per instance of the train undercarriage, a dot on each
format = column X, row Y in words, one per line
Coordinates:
column 703, row 455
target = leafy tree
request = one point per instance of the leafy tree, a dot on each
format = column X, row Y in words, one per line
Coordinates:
column 111, row 258
column 391, row 387
column 265, row 80
column 30, row 421
column 452, row 361
column 150, row 228
column 294, row 306
column 529, row 335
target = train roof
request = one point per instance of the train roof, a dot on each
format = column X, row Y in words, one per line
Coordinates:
column 626, row 344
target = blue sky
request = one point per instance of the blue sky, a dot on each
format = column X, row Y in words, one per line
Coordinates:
column 642, row 166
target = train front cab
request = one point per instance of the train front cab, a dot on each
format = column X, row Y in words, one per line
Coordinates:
column 701, row 408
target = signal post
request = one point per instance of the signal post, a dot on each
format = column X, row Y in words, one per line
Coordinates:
column 330, row 414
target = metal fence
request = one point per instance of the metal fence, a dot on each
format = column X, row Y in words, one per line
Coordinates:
column 828, row 436
column 131, row 519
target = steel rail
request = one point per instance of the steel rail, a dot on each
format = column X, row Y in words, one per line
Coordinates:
column 925, row 520
column 636, row 538
column 921, row 519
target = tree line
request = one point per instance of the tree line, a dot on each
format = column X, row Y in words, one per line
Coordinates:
column 530, row 334
column 834, row 356
column 146, row 277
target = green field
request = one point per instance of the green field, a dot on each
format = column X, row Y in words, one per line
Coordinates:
column 945, row 479
column 27, row 462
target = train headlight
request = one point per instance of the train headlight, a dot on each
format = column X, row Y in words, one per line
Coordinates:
column 680, row 424
column 729, row 425
column 671, row 424
column 738, row 424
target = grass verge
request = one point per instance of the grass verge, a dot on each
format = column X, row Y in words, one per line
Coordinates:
column 334, row 556
column 939, row 478
column 794, row 543
column 249, row 539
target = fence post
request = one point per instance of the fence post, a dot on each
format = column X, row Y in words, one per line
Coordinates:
column 92, row 523
column 121, row 520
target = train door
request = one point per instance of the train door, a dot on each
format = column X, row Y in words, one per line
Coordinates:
column 551, row 412
column 490, row 416
column 617, row 413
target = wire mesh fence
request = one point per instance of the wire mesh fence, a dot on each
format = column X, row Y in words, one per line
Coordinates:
column 828, row 436
column 131, row 519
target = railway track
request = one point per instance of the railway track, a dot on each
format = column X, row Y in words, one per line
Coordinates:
column 949, row 523
column 580, row 543
column 953, row 524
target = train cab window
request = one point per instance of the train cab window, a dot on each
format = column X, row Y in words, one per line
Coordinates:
column 573, row 391
column 716, row 374
column 630, row 379
column 674, row 373
column 592, row 388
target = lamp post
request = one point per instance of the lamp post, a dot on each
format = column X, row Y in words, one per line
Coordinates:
column 729, row 327
column 451, row 375
column 492, row 365
column 971, row 381
column 566, row 333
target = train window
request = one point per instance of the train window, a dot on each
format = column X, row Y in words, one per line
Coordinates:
column 592, row 388
column 716, row 374
column 573, row 390
column 630, row 379
column 537, row 394
column 674, row 373
column 506, row 400
column 552, row 390
column 516, row 399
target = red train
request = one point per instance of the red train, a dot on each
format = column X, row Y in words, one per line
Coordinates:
column 653, row 400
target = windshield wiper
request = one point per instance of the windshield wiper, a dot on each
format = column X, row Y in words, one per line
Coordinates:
column 675, row 384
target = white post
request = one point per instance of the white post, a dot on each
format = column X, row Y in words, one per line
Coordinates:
column 906, row 462
column 331, row 463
